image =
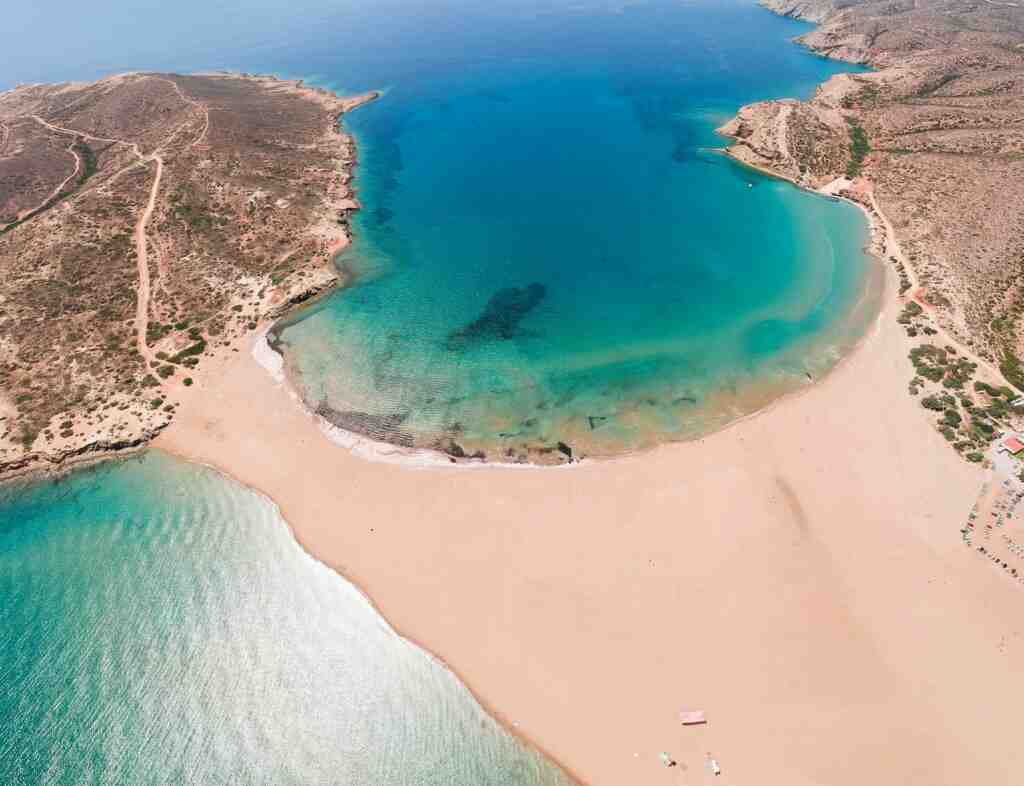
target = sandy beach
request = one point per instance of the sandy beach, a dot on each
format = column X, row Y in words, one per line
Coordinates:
column 799, row 576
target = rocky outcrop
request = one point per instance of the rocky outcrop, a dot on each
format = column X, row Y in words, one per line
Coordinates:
column 807, row 143
column 936, row 131
column 808, row 10
column 60, row 461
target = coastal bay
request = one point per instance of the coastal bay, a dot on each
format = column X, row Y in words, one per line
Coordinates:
column 799, row 575
column 554, row 261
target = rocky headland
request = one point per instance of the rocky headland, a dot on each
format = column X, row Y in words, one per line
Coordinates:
column 931, row 143
column 147, row 222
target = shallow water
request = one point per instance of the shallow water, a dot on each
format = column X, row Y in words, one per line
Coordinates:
column 550, row 251
column 160, row 625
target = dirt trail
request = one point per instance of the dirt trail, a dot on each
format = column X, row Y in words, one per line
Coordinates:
column 141, row 241
column 58, row 189
column 892, row 248
column 142, row 304
column 198, row 104
column 133, row 145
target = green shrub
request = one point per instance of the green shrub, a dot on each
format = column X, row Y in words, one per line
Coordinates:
column 938, row 402
column 910, row 311
column 1012, row 370
column 859, row 148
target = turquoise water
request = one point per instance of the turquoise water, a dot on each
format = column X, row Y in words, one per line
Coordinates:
column 161, row 626
column 548, row 253
column 550, row 249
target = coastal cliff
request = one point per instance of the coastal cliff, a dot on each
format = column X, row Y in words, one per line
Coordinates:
column 147, row 223
column 934, row 137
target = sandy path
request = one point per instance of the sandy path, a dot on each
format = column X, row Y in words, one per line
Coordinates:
column 892, row 248
column 133, row 145
column 143, row 294
column 78, row 165
column 29, row 211
column 142, row 297
column 799, row 576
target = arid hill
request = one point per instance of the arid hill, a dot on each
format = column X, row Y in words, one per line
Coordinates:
column 938, row 131
column 931, row 142
column 146, row 220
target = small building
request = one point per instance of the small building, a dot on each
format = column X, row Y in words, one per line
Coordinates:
column 1013, row 446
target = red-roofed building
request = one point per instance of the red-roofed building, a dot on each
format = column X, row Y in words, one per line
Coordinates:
column 1013, row 445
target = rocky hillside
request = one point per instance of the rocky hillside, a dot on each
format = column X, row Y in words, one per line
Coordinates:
column 146, row 221
column 936, row 131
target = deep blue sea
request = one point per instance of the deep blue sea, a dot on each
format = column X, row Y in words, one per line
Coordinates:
column 550, row 251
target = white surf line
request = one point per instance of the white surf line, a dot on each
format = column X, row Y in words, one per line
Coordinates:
column 371, row 449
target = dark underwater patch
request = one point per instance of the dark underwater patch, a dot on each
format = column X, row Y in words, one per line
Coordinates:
column 380, row 427
column 501, row 316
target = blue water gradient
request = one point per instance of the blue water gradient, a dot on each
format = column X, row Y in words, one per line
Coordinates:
column 551, row 249
column 160, row 625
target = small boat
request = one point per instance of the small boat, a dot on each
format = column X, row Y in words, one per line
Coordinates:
column 692, row 717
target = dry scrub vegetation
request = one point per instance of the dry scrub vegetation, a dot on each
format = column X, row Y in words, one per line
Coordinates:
column 252, row 201
column 934, row 136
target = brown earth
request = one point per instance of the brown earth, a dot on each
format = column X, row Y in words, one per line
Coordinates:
column 146, row 221
column 934, row 140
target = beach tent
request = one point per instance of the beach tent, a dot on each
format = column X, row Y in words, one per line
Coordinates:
column 692, row 717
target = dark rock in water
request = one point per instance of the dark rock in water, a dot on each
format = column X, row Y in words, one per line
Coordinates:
column 382, row 427
column 684, row 400
column 565, row 449
column 383, row 215
column 501, row 316
column 595, row 421
column 455, row 449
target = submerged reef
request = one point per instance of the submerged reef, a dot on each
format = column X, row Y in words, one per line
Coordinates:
column 501, row 316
